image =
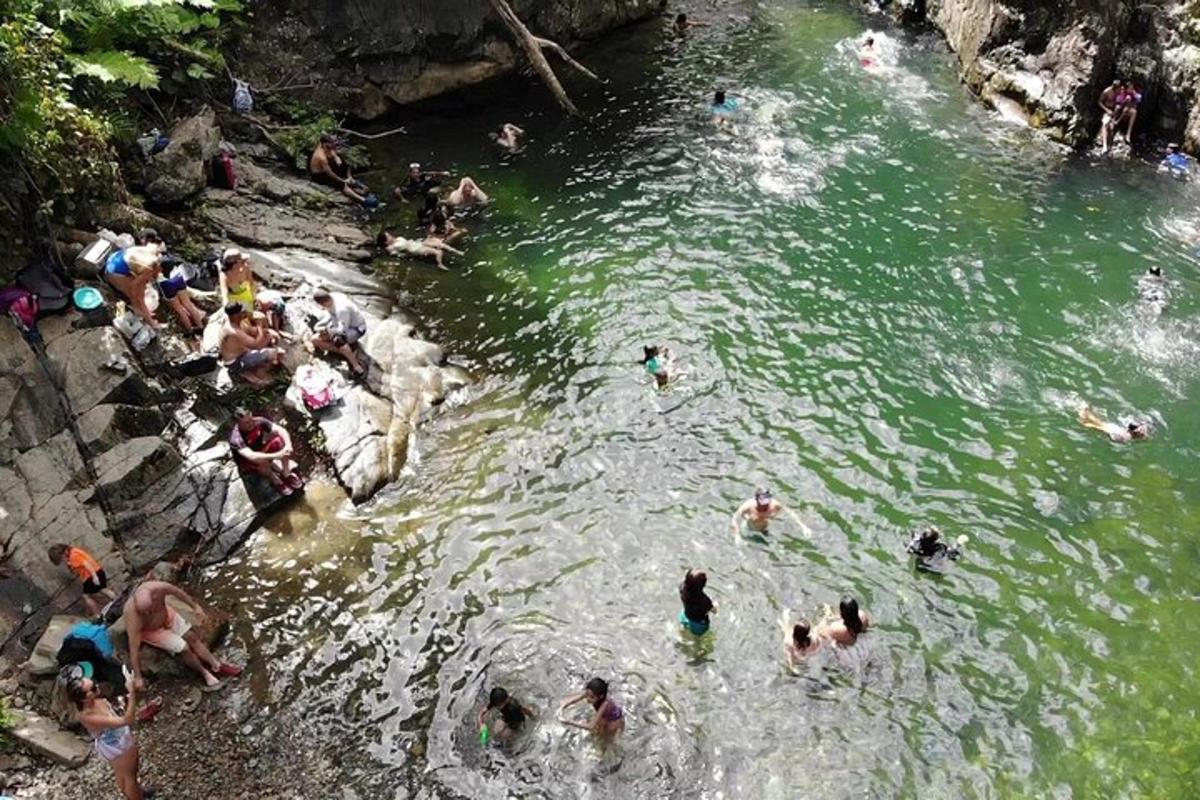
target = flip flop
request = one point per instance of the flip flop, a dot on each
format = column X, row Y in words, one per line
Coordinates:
column 229, row 670
column 150, row 710
column 295, row 481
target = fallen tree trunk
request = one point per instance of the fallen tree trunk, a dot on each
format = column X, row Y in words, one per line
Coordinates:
column 532, row 47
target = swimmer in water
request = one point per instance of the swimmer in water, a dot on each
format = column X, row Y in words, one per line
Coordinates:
column 724, row 106
column 1152, row 291
column 1120, row 434
column 931, row 552
column 512, row 716
column 1177, row 163
column 683, row 25
column 609, row 717
column 800, row 642
column 509, row 138
column 657, row 361
column 696, row 604
column 867, row 53
column 845, row 630
column 759, row 511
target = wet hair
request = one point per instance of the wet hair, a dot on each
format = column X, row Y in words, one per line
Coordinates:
column 598, row 687
column 1172, row 148
column 498, row 697
column 718, row 97
column 77, row 693
column 381, row 241
column 1116, row 82
column 650, row 351
column 681, row 19
column 234, row 310
column 870, row 41
column 148, row 235
column 851, row 617
column 322, row 295
column 694, row 582
column 1156, row 271
column 802, row 633
column 57, row 552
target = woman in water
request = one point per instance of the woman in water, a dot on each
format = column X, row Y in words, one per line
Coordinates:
column 512, row 715
column 429, row 247
column 657, row 361
column 696, row 604
column 608, row 719
column 845, row 631
column 110, row 732
column 1121, row 434
column 800, row 643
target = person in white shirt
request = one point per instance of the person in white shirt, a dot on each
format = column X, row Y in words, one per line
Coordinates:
column 342, row 330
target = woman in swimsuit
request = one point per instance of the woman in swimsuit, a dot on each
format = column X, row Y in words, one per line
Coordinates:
column 696, row 604
column 110, row 732
column 609, row 717
column 657, row 361
column 1120, row 434
column 800, row 643
column 130, row 271
column 852, row 622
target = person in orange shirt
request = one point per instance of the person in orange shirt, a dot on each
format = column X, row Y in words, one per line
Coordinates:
column 89, row 570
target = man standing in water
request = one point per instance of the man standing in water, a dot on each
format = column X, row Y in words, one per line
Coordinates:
column 149, row 619
column 759, row 511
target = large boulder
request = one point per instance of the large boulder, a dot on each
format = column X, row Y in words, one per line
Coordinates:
column 79, row 358
column 109, row 424
column 180, row 172
column 30, row 411
column 43, row 737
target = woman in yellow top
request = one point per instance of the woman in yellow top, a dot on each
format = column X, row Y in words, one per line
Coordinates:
column 238, row 286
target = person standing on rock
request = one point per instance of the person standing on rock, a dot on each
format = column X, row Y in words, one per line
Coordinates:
column 88, row 569
column 149, row 619
column 328, row 167
column 1111, row 114
column 247, row 348
column 342, row 329
column 111, row 734
column 261, row 446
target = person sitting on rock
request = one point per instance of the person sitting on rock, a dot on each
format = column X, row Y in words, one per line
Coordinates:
column 430, row 247
column 172, row 284
column 149, row 619
column 131, row 271
column 328, row 167
column 247, row 347
column 509, row 138
column 237, row 285
column 467, row 194
column 340, row 331
column 88, row 570
column 418, row 183
column 262, row 447
column 1128, row 100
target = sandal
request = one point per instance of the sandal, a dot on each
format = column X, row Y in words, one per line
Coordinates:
column 228, row 670
column 295, row 481
column 150, row 710
column 216, row 687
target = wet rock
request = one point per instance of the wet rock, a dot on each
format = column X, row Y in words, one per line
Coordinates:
column 43, row 737
column 180, row 172
column 268, row 225
column 127, row 470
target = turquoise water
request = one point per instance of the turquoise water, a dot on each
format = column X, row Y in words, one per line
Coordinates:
column 888, row 305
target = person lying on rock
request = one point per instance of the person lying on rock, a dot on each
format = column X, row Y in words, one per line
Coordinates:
column 88, row 570
column 172, row 284
column 131, row 271
column 429, row 247
column 237, row 285
column 248, row 346
column 328, row 167
column 148, row 619
column 418, row 183
column 467, row 194
column 343, row 327
column 261, row 446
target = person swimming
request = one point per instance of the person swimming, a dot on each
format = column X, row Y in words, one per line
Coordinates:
column 696, row 604
column 657, row 361
column 609, row 717
column 867, row 54
column 760, row 510
column 512, row 716
column 1152, row 291
column 1177, row 163
column 931, row 552
column 800, row 642
column 682, row 25
column 1119, row 434
column 851, row 623
column 724, row 107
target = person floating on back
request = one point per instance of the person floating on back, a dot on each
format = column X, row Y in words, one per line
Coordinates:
column 429, row 247
column 696, row 604
column 512, row 716
column 930, row 552
column 1120, row 434
column 88, row 570
column 608, row 718
column 657, row 361
column 758, row 512
column 851, row 623
column 1177, row 163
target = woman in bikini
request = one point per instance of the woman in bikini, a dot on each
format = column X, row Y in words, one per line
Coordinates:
column 111, row 733
column 130, row 271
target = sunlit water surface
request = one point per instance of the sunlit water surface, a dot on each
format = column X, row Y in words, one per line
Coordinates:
column 888, row 305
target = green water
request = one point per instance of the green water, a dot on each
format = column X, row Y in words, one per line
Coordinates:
column 888, row 304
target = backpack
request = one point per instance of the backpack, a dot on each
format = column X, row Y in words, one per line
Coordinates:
column 243, row 101
column 224, row 175
column 22, row 305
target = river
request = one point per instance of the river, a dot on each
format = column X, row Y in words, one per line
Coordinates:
column 888, row 304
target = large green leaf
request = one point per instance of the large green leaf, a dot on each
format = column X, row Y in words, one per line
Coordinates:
column 115, row 66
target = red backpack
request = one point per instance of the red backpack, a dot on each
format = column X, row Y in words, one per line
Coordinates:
column 224, row 175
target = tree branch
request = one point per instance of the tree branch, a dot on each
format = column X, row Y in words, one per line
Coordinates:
column 533, row 51
column 555, row 47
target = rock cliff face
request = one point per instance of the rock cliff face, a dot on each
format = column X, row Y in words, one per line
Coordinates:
column 368, row 56
column 1050, row 61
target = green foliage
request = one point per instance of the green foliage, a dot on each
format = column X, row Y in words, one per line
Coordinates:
column 301, row 139
column 7, row 720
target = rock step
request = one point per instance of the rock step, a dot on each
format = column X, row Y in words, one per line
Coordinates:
column 43, row 737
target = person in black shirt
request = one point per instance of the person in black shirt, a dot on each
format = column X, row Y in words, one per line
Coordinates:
column 418, row 183
column 512, row 715
column 696, row 604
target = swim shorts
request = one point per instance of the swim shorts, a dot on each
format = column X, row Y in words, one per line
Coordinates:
column 95, row 586
column 251, row 359
column 169, row 638
column 698, row 628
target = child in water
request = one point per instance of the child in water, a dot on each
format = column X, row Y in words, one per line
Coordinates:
column 657, row 361
column 609, row 717
column 800, row 642
column 512, row 716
